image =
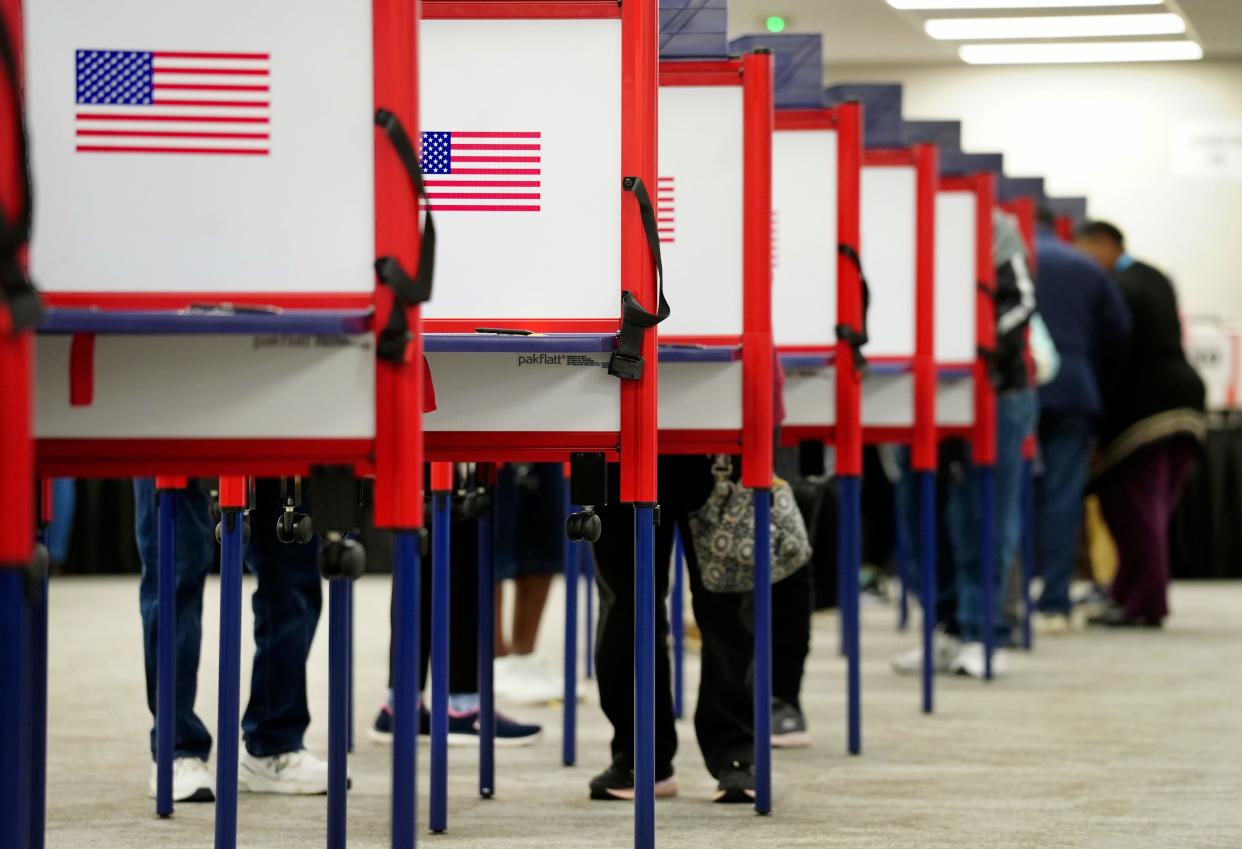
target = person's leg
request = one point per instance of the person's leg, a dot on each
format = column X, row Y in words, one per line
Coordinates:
column 529, row 598
column 1065, row 444
column 1014, row 419
column 793, row 603
column 286, row 608
column 195, row 552
column 614, row 643
column 1138, row 498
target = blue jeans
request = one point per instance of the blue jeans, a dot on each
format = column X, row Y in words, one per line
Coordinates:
column 1065, row 447
column 1015, row 419
column 908, row 525
column 286, row 611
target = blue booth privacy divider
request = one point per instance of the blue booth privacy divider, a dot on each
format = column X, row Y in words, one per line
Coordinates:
column 946, row 135
column 972, row 163
column 1073, row 208
column 798, row 73
column 882, row 123
column 693, row 29
column 1008, row 188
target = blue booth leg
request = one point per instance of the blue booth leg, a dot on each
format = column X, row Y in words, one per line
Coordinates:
column 14, row 707
column 487, row 656
column 587, row 564
column 644, row 677
column 349, row 677
column 439, row 660
column 338, row 711
column 987, row 565
column 902, row 556
column 849, row 565
column 38, row 711
column 763, row 650
column 1028, row 550
column 677, row 624
column 405, row 589
column 927, row 580
column 569, row 744
column 166, row 653
column 230, row 678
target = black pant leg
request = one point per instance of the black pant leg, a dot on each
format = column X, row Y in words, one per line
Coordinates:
column 793, row 602
column 614, row 644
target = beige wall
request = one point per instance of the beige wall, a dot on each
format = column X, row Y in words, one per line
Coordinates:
column 1105, row 132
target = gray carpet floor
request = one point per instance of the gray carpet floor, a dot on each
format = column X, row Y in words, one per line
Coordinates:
column 1113, row 739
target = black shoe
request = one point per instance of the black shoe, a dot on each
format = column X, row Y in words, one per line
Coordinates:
column 617, row 783
column 1114, row 617
column 788, row 727
column 735, row 784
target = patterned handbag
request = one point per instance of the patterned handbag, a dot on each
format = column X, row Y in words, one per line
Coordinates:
column 723, row 533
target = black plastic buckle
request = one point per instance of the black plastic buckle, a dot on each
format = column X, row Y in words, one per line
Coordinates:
column 625, row 366
column 393, row 343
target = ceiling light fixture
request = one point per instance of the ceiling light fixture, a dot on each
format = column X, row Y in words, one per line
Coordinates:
column 1081, row 51
column 948, row 5
column 1060, row 26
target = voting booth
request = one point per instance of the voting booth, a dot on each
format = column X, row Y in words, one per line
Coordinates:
column 1214, row 348
column 539, row 150
column 210, row 315
column 817, row 297
column 717, row 359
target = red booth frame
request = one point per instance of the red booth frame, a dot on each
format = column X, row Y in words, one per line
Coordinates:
column 635, row 445
column 846, row 432
column 753, row 73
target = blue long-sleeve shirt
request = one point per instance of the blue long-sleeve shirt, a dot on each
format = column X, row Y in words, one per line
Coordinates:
column 1085, row 314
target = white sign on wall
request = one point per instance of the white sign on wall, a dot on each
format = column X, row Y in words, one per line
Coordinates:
column 1208, row 150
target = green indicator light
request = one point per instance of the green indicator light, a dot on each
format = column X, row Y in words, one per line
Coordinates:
column 775, row 23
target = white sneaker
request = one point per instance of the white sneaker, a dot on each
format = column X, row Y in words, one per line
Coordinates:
column 970, row 661
column 191, row 781
column 294, row 773
column 944, row 648
column 525, row 680
column 1050, row 624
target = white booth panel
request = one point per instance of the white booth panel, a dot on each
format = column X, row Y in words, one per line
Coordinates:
column 211, row 387
column 522, row 154
column 523, row 392
column 700, row 396
column 701, row 177
column 888, row 400
column 148, row 182
column 804, row 237
column 889, row 244
column 1209, row 347
column 810, row 397
column 957, row 276
column 955, row 402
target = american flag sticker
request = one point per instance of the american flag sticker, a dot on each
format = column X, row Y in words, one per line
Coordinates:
column 143, row 101
column 483, row 171
column 666, row 210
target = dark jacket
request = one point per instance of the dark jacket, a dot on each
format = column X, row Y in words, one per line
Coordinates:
column 1151, row 392
column 1015, row 304
column 1085, row 315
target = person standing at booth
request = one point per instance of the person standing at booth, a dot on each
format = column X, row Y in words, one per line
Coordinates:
column 286, row 607
column 1152, row 426
column 959, row 645
column 1086, row 317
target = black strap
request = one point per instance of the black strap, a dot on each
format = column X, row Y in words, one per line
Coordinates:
column 627, row 360
column 409, row 291
column 856, row 338
column 986, row 289
column 16, row 292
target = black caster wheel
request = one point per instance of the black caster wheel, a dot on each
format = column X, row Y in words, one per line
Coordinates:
column 245, row 531
column 584, row 527
column 342, row 559
column 471, row 504
column 294, row 527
